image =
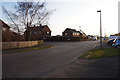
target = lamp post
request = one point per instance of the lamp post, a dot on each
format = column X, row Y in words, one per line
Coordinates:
column 79, row 27
column 100, row 29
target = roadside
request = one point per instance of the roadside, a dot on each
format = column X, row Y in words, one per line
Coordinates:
column 105, row 51
column 85, row 68
column 38, row 63
column 38, row 47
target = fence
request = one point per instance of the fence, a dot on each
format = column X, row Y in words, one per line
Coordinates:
column 20, row 44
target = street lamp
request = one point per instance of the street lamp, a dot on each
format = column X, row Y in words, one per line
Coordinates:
column 100, row 29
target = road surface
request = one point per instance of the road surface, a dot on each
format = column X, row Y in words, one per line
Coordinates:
column 38, row 63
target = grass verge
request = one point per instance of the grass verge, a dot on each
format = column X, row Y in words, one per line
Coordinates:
column 36, row 48
column 32, row 48
column 100, row 53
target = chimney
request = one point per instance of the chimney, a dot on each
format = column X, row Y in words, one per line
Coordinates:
column 40, row 24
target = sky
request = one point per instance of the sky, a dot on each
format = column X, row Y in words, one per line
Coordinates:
column 75, row 13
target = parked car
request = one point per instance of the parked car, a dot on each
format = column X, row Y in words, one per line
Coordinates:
column 110, row 42
column 116, row 42
column 111, row 39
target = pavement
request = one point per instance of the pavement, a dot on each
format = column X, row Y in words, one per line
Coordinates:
column 39, row 63
column 85, row 68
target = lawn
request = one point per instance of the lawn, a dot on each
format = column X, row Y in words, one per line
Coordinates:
column 100, row 53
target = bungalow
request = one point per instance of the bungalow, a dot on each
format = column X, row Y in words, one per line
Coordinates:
column 71, row 33
column 38, row 32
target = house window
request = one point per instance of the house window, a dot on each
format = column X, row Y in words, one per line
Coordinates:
column 74, row 33
column 47, row 32
column 78, row 34
column 4, row 29
column 65, row 34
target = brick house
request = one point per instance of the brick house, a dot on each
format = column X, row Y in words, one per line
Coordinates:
column 38, row 32
column 71, row 33
column 83, row 34
column 7, row 34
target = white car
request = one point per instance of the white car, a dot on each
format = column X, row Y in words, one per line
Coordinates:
column 116, row 42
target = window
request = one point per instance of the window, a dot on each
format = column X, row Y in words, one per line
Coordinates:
column 78, row 34
column 74, row 33
column 47, row 32
column 4, row 29
column 65, row 34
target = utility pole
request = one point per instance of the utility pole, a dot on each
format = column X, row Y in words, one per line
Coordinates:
column 80, row 28
column 100, row 29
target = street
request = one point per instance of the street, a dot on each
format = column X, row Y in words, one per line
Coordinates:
column 38, row 63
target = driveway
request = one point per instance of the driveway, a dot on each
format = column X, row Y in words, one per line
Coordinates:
column 36, row 64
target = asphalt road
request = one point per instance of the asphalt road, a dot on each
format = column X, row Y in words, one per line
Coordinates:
column 36, row 64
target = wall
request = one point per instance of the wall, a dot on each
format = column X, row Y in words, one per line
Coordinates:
column 21, row 44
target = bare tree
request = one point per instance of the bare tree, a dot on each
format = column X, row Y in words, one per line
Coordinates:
column 28, row 14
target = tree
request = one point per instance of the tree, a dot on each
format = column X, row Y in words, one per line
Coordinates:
column 28, row 14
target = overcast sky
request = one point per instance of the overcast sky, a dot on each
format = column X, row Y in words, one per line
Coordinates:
column 75, row 13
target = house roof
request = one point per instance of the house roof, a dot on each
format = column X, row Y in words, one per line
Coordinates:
column 46, row 27
column 70, row 30
column 82, row 32
column 3, row 24
column 73, row 30
column 38, row 28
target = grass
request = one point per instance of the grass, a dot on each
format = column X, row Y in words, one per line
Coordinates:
column 32, row 48
column 100, row 53
column 36, row 48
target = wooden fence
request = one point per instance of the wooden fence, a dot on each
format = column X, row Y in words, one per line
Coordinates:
column 21, row 44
